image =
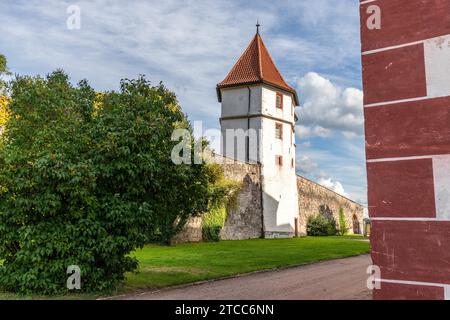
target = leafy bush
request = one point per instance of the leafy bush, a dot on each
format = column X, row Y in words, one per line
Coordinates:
column 343, row 229
column 319, row 225
column 87, row 178
column 213, row 223
column 211, row 233
column 222, row 194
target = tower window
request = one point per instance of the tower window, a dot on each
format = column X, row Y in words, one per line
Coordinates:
column 279, row 100
column 292, row 162
column 279, row 131
column 279, row 160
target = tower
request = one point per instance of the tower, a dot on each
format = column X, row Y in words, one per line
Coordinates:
column 258, row 126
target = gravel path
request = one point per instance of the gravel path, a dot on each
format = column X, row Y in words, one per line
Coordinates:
column 332, row 280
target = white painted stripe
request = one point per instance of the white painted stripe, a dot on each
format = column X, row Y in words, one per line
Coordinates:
column 446, row 287
column 437, row 62
column 380, row 104
column 367, row 1
column 399, row 159
column 410, row 219
column 441, row 173
column 415, row 283
column 447, row 292
column 364, row 53
column 441, row 178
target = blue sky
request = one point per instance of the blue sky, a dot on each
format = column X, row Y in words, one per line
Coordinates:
column 191, row 46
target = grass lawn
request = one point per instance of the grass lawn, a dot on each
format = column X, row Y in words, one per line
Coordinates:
column 167, row 266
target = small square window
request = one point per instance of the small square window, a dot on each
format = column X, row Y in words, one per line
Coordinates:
column 279, row 100
column 279, row 131
column 279, row 160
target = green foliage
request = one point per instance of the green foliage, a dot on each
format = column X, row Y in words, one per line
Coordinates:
column 320, row 225
column 4, row 113
column 222, row 194
column 211, row 233
column 85, row 179
column 343, row 229
column 3, row 62
column 213, row 222
column 3, row 71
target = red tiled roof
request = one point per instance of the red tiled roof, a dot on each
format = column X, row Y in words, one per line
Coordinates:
column 256, row 66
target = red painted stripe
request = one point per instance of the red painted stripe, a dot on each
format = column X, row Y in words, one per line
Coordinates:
column 394, row 75
column 401, row 189
column 408, row 129
column 405, row 21
column 394, row 291
column 412, row 250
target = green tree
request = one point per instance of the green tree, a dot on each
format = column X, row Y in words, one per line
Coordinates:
column 343, row 228
column 3, row 71
column 3, row 62
column 85, row 179
column 4, row 113
column 4, row 100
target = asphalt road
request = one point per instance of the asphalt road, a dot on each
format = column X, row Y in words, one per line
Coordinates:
column 343, row 279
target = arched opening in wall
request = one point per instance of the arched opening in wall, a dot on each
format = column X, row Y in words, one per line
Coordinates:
column 356, row 228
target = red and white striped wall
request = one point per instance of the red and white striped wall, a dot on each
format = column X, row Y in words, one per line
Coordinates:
column 406, row 77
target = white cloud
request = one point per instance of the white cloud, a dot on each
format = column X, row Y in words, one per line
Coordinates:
column 306, row 165
column 321, row 131
column 315, row 131
column 191, row 46
column 336, row 186
column 335, row 160
column 303, row 132
column 349, row 135
column 305, row 144
column 328, row 108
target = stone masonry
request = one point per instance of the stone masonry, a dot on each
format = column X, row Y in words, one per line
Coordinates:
column 245, row 220
column 314, row 198
column 192, row 231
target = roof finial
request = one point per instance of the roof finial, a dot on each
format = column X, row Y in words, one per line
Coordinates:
column 257, row 26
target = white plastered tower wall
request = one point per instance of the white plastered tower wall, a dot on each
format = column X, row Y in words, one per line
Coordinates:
column 254, row 107
column 257, row 124
column 238, row 107
column 280, row 197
